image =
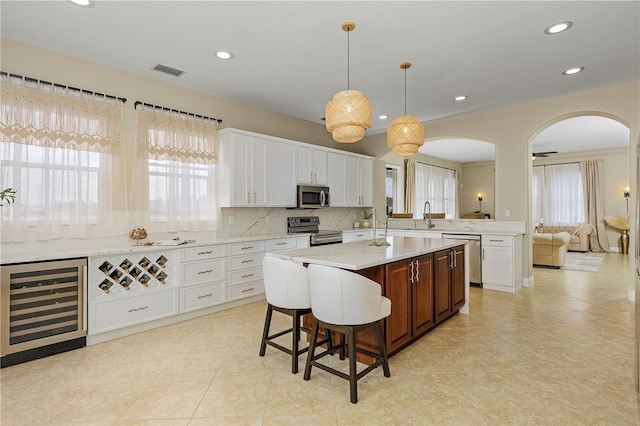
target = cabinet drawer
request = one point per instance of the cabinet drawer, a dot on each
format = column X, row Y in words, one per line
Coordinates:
column 244, row 276
column 203, row 272
column 199, row 253
column 201, row 296
column 245, row 248
column 497, row 240
column 113, row 314
column 280, row 244
column 351, row 236
column 242, row 262
column 245, row 290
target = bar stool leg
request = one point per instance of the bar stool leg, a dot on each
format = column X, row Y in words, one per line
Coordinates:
column 312, row 350
column 353, row 373
column 295, row 343
column 383, row 350
column 265, row 333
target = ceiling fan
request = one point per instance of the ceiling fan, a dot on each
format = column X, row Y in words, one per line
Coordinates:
column 543, row 154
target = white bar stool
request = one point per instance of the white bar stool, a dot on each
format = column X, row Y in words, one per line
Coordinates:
column 286, row 285
column 347, row 303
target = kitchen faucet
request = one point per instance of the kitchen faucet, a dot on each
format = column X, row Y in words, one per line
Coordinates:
column 424, row 214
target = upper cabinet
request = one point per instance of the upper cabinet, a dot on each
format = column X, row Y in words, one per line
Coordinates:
column 263, row 171
column 312, row 165
column 350, row 180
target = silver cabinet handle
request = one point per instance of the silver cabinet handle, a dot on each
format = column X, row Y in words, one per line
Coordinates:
column 247, row 276
column 139, row 309
column 205, row 272
column 282, row 244
column 411, row 279
column 247, row 261
column 248, row 197
column 496, row 241
column 248, row 289
column 482, row 254
column 254, row 198
column 200, row 253
column 205, row 295
column 417, row 271
column 247, row 248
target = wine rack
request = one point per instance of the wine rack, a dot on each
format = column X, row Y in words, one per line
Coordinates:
column 130, row 273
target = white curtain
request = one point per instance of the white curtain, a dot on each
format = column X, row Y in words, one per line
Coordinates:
column 176, row 174
column 60, row 150
column 594, row 204
column 436, row 185
column 558, row 195
column 409, row 185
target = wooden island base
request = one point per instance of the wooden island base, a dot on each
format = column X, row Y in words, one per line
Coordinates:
column 424, row 291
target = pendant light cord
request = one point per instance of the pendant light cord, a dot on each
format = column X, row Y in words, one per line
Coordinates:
column 348, row 58
column 405, row 91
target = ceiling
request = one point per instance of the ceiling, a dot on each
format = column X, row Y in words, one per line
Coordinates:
column 291, row 56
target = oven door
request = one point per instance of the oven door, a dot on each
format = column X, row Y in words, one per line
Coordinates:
column 313, row 197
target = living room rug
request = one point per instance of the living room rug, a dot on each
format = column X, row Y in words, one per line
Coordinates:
column 589, row 262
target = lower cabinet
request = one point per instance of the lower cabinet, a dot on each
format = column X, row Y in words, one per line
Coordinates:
column 202, row 277
column 502, row 262
column 409, row 286
column 449, row 282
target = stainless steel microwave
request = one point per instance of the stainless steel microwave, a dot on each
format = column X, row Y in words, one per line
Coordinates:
column 312, row 197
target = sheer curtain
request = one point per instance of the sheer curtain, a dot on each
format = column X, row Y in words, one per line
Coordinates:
column 409, row 185
column 436, row 185
column 558, row 194
column 176, row 177
column 60, row 150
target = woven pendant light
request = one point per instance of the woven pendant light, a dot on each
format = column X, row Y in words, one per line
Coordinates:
column 405, row 135
column 348, row 113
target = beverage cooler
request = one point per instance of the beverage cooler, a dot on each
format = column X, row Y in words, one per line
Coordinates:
column 43, row 309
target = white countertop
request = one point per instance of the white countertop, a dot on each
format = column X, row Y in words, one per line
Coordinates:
column 360, row 255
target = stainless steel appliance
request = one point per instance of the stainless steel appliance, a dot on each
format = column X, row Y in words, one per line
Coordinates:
column 43, row 309
column 310, row 225
column 312, row 197
column 475, row 256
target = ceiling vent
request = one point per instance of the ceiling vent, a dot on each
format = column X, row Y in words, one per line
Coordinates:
column 168, row 70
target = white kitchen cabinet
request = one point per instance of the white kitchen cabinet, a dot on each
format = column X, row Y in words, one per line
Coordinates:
column 359, row 181
column 337, row 179
column 244, row 170
column 202, row 277
column 312, row 165
column 502, row 262
column 244, row 269
column 357, row 235
column 282, row 174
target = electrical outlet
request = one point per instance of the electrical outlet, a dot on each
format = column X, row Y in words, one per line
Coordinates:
column 507, row 213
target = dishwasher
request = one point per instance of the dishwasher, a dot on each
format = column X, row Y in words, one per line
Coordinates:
column 475, row 256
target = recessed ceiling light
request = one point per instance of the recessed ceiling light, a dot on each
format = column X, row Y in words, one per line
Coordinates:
column 558, row 27
column 461, row 98
column 83, row 3
column 572, row 71
column 383, row 117
column 223, row 54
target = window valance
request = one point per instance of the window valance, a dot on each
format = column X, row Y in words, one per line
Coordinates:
column 43, row 114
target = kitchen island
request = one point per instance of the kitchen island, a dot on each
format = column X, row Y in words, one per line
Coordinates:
column 426, row 280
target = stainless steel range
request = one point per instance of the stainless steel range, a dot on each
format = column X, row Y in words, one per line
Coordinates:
column 310, row 225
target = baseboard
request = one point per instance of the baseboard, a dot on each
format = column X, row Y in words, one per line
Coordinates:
column 615, row 250
column 528, row 282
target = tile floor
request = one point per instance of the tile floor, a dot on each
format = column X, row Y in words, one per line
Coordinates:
column 561, row 353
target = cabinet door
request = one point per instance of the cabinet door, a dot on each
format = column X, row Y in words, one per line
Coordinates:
column 497, row 263
column 319, row 167
column 422, row 298
column 352, row 189
column 305, row 164
column 259, row 172
column 457, row 278
column 442, row 274
column 398, row 290
column 336, row 179
column 366, row 182
column 240, row 170
column 282, row 178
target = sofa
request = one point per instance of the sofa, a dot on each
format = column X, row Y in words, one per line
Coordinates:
column 550, row 249
column 579, row 235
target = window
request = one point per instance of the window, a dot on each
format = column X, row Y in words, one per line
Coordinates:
column 178, row 163
column 558, row 195
column 57, row 151
column 394, row 189
column 436, row 185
